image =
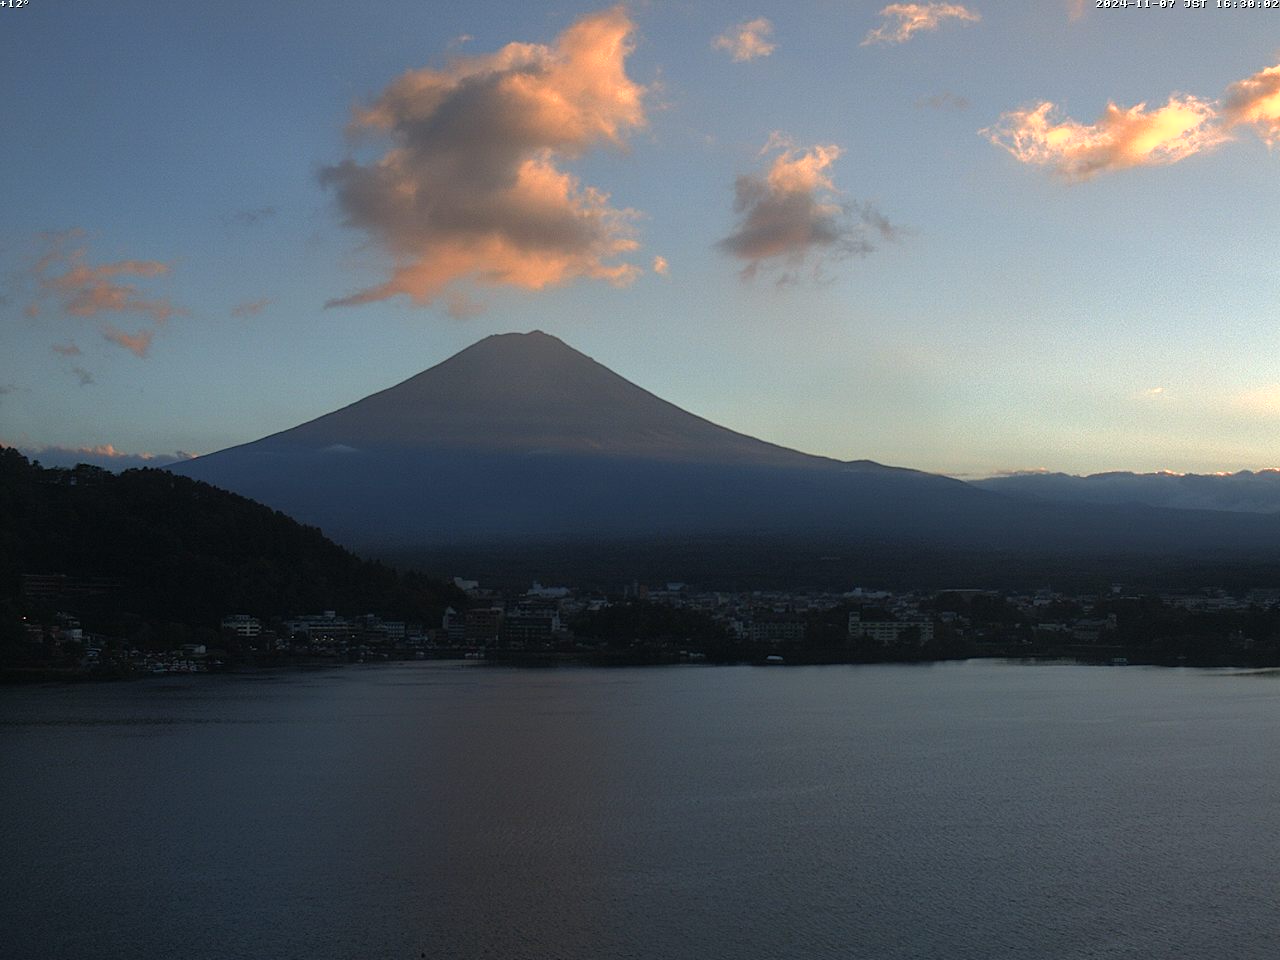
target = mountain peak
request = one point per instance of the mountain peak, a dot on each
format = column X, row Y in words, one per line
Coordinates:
column 531, row 393
column 534, row 349
column 533, row 340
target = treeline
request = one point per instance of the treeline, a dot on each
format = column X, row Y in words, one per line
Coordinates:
column 738, row 564
column 622, row 623
column 647, row 629
column 165, row 549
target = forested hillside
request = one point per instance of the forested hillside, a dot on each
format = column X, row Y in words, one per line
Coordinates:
column 147, row 546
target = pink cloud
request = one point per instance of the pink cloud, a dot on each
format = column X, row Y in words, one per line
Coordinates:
column 902, row 20
column 1137, row 137
column 468, row 188
column 1121, row 138
column 88, row 291
column 1255, row 102
column 85, row 290
column 747, row 41
column 136, row 343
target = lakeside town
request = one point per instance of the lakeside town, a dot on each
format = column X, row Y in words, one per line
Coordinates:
column 673, row 623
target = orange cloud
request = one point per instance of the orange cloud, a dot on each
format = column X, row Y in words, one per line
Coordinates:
column 794, row 210
column 660, row 266
column 107, row 450
column 747, row 41
column 468, row 188
column 87, row 290
column 136, row 343
column 1121, row 138
column 1255, row 102
column 80, row 274
column 901, row 20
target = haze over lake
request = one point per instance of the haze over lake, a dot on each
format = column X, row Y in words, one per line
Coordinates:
column 976, row 810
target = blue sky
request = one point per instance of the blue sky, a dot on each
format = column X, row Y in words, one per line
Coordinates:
column 927, row 268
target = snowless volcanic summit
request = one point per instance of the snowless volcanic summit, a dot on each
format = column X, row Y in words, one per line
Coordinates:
column 520, row 436
column 529, row 393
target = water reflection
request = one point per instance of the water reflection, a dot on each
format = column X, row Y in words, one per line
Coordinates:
column 974, row 810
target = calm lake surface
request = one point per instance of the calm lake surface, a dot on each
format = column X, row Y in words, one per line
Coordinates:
column 977, row 810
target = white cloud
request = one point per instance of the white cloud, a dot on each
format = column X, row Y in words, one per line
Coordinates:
column 747, row 41
column 902, row 20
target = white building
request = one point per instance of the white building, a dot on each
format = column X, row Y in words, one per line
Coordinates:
column 888, row 632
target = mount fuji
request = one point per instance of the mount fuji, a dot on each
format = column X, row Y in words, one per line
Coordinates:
column 520, row 438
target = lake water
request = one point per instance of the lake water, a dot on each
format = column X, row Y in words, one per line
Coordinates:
column 977, row 810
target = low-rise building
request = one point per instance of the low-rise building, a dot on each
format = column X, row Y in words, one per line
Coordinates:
column 889, row 632
column 771, row 627
column 242, row 625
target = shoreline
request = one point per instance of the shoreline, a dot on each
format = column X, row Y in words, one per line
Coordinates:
column 540, row 660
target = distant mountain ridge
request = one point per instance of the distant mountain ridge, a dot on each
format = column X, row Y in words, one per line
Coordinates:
column 1245, row 491
column 521, row 438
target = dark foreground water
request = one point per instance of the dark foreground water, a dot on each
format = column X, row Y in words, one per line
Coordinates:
column 976, row 810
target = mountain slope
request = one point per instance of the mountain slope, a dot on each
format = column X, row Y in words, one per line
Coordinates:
column 531, row 393
column 522, row 438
